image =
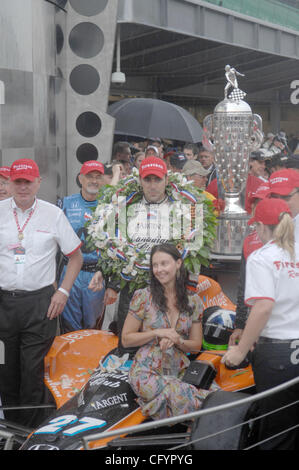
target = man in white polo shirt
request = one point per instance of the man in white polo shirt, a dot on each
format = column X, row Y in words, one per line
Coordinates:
column 30, row 232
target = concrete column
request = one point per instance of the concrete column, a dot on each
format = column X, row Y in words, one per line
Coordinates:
column 89, row 43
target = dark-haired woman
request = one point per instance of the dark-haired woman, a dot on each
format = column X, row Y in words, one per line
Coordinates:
column 165, row 323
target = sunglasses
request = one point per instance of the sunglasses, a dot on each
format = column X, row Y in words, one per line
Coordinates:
column 284, row 198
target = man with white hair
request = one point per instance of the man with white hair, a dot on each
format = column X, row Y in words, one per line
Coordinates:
column 31, row 231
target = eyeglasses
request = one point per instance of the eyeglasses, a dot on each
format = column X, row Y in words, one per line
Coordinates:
column 284, row 198
column 92, row 177
column 4, row 183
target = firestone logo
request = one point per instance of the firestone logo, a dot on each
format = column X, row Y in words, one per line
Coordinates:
column 152, row 165
column 92, row 164
column 278, row 179
column 22, row 167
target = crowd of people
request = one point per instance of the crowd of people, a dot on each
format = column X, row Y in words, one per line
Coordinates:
column 162, row 323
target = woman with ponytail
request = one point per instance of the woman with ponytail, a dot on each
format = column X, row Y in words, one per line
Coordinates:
column 272, row 328
column 164, row 321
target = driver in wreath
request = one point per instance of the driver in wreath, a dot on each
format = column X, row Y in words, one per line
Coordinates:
column 148, row 224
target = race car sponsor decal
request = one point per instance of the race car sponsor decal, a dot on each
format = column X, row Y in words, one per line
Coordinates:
column 203, row 285
column 53, row 385
column 58, row 424
column 43, row 447
column 72, row 337
column 218, row 299
column 108, row 379
column 110, row 401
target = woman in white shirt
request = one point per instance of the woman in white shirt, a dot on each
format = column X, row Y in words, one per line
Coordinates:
column 272, row 329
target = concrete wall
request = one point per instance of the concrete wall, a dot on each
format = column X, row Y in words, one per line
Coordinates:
column 32, row 118
column 55, row 63
column 86, row 62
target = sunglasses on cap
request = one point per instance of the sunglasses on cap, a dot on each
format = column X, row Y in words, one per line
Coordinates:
column 285, row 198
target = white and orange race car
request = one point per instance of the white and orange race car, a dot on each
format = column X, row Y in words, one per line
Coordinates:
column 91, row 400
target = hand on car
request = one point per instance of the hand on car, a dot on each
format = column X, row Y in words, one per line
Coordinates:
column 233, row 356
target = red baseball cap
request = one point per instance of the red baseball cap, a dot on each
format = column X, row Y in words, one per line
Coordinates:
column 260, row 193
column 152, row 166
column 24, row 168
column 5, row 171
column 268, row 211
column 284, row 181
column 91, row 165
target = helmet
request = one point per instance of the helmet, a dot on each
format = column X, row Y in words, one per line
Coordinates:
column 218, row 324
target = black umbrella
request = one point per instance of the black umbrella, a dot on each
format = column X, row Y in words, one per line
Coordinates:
column 152, row 118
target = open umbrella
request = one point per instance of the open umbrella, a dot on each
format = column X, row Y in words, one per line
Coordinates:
column 151, row 118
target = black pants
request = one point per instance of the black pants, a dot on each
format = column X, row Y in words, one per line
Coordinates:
column 125, row 298
column 27, row 335
column 274, row 364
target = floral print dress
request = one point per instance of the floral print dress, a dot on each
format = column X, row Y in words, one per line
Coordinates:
column 155, row 375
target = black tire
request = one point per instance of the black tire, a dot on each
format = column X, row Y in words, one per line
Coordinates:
column 234, row 439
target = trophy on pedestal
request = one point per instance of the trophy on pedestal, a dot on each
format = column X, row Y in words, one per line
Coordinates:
column 231, row 133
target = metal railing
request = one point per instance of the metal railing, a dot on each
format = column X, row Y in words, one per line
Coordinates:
column 190, row 416
column 9, row 437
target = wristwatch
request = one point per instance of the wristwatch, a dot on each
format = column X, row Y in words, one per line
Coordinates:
column 181, row 341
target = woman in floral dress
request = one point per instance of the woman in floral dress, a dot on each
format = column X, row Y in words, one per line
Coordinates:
column 164, row 321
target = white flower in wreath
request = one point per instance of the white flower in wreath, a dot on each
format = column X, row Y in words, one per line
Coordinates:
column 131, row 252
column 134, row 264
column 114, row 199
column 100, row 232
column 130, row 266
column 112, row 253
column 176, row 196
column 135, row 172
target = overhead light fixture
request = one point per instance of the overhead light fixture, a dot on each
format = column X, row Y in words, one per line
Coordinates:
column 118, row 77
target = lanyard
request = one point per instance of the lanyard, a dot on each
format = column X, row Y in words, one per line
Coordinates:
column 21, row 230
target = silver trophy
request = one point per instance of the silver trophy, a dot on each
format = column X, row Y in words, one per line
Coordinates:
column 231, row 133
